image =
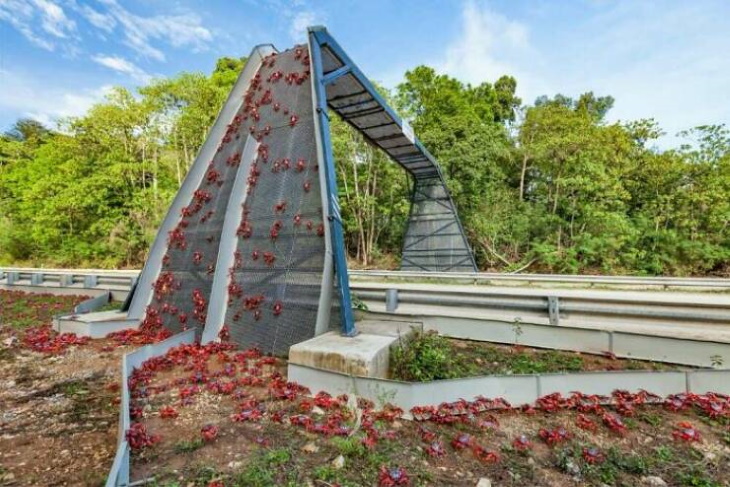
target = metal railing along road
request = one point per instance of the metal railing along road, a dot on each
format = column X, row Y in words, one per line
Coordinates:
column 444, row 295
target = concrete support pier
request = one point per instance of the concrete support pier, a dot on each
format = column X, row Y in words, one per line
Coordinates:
column 365, row 355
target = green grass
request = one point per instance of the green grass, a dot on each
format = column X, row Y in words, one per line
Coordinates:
column 426, row 356
column 187, row 446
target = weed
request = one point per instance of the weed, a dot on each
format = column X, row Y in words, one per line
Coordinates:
column 350, row 447
column 268, row 467
column 664, row 454
column 697, row 478
column 517, row 329
column 717, row 361
column 358, row 303
column 423, row 356
column 187, row 446
column 651, row 418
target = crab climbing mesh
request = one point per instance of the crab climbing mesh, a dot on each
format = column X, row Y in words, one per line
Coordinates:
column 276, row 281
column 182, row 290
column 273, row 287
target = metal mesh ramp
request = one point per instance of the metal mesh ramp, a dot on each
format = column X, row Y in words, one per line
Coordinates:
column 247, row 246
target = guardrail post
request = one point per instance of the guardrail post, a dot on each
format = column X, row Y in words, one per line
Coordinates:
column 90, row 281
column 12, row 277
column 66, row 280
column 554, row 310
column 391, row 300
column 36, row 279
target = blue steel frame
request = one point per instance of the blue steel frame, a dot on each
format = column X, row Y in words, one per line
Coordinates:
column 317, row 38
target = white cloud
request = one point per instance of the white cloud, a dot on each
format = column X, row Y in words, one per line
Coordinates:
column 178, row 30
column 299, row 23
column 123, row 66
column 103, row 21
column 487, row 47
column 26, row 96
column 45, row 23
column 54, row 19
column 42, row 22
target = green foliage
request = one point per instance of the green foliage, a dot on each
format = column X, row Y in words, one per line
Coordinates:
column 187, row 446
column 421, row 357
column 268, row 467
column 550, row 187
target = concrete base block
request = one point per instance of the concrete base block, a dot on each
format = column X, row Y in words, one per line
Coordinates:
column 95, row 325
column 365, row 355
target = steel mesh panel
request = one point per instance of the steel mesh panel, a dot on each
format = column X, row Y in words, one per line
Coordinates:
column 182, row 289
column 434, row 240
column 273, row 294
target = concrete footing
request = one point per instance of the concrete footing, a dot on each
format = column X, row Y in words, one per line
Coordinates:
column 366, row 355
column 94, row 325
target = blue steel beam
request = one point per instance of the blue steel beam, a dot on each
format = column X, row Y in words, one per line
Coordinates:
column 335, row 220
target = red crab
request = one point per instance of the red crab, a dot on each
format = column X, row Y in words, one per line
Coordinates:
column 247, row 415
column 138, row 438
column 280, row 207
column 614, row 423
column 558, row 435
column 436, row 449
column 307, row 186
column 485, row 455
column 301, row 165
column 269, row 258
column 209, row 432
column 592, row 455
column 168, row 412
column 391, row 477
column 586, row 423
column 522, row 443
column 686, row 432
column 277, row 308
column 463, row 440
column 293, row 120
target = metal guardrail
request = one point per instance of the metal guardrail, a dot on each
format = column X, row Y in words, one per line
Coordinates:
column 488, row 278
column 124, row 278
column 631, row 308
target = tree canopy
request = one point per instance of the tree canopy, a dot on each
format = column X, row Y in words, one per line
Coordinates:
column 549, row 186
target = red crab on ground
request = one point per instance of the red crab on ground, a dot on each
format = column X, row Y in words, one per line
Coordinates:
column 592, row 455
column 684, row 431
column 209, row 432
column 522, row 443
column 463, row 440
column 391, row 477
column 555, row 436
column 436, row 449
column 168, row 412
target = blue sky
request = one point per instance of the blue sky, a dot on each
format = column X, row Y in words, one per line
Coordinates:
column 663, row 59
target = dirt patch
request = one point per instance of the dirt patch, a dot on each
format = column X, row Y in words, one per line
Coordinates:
column 58, row 411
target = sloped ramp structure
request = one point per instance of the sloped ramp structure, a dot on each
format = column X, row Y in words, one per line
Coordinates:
column 253, row 242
